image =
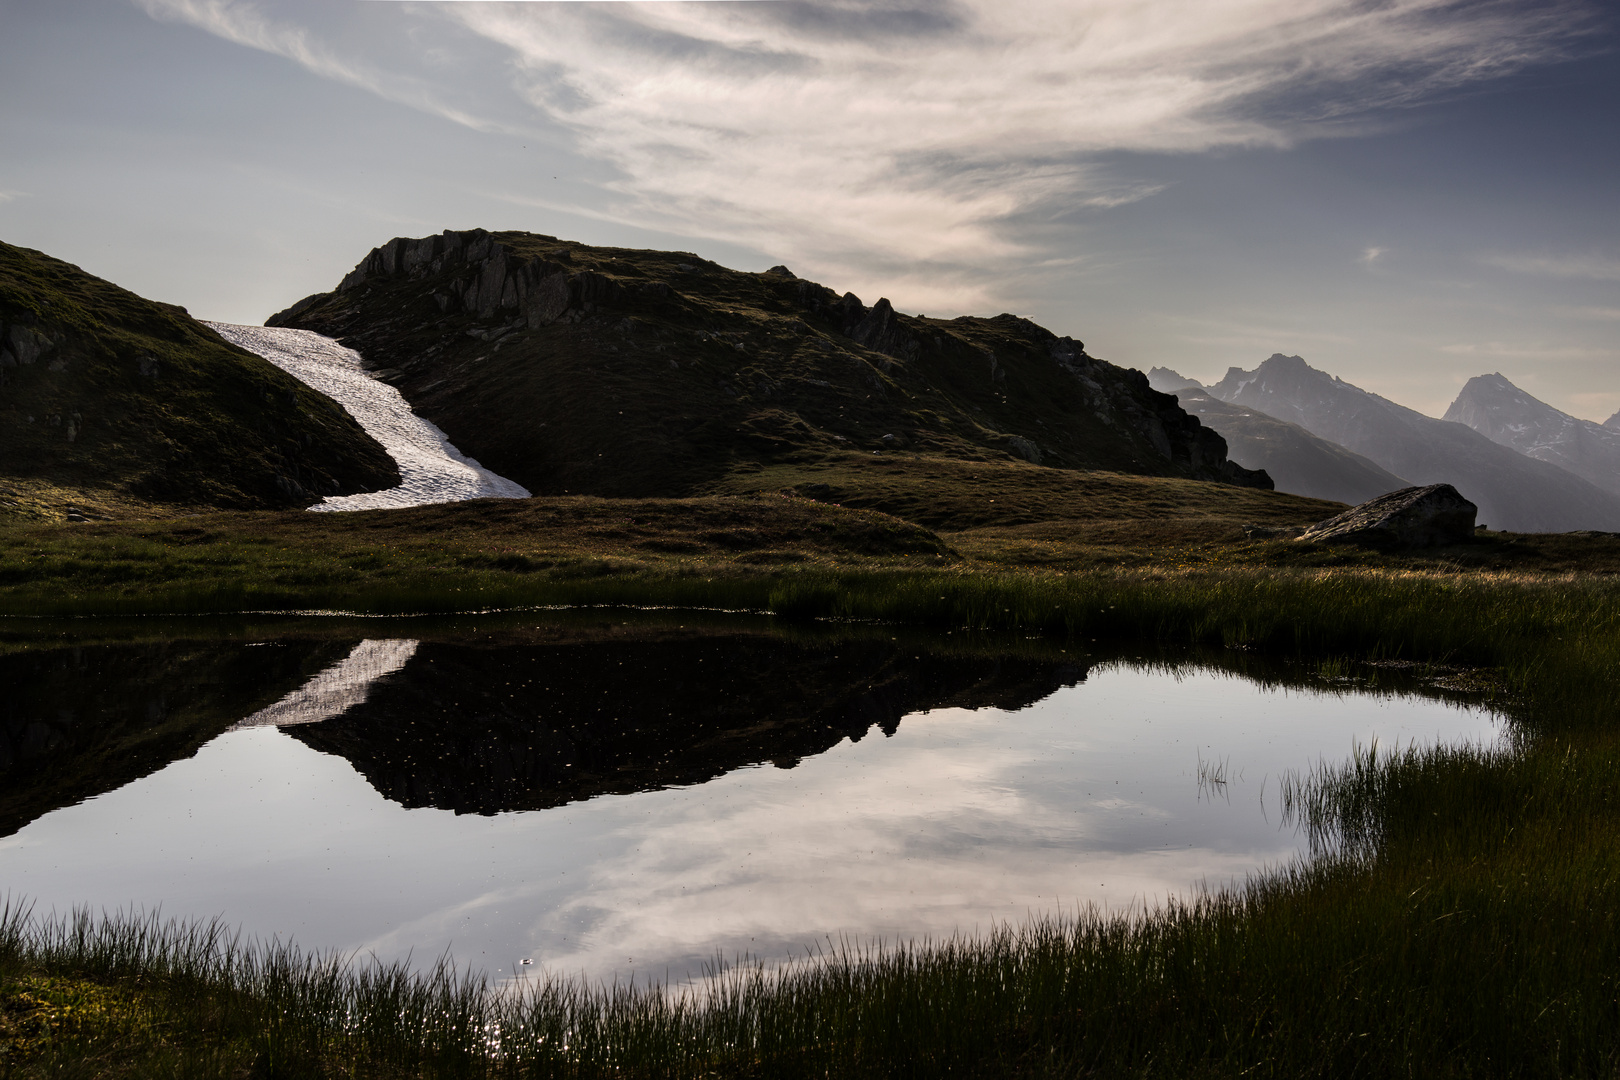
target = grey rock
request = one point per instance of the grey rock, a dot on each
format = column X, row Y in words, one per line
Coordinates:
column 1613, row 422
column 26, row 345
column 548, row 301
column 1410, row 518
column 1027, row 449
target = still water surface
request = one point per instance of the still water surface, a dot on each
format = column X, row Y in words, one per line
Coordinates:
column 639, row 807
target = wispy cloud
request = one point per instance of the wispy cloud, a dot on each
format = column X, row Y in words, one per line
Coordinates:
column 1597, row 314
column 242, row 22
column 1371, row 255
column 1494, row 350
column 1591, row 267
column 885, row 138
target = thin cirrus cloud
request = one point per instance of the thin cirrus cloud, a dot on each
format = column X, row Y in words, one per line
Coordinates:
column 1589, row 267
column 933, row 146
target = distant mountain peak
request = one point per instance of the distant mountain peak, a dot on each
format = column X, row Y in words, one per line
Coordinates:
column 1519, row 488
column 1613, row 422
column 1506, row 414
column 1168, row 381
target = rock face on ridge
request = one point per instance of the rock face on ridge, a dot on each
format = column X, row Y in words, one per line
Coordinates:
column 1513, row 491
column 1504, row 414
column 101, row 389
column 618, row 372
column 1414, row 517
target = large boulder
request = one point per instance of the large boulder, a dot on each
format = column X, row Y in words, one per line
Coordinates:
column 1412, row 517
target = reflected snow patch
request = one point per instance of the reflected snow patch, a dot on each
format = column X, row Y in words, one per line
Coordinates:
column 431, row 470
column 336, row 690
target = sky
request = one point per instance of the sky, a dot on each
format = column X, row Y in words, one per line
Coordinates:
column 1407, row 193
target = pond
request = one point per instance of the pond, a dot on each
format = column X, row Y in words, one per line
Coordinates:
column 628, row 797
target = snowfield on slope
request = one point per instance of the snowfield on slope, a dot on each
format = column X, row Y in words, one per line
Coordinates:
column 431, row 470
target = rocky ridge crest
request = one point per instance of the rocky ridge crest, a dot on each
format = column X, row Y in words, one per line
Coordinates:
column 621, row 372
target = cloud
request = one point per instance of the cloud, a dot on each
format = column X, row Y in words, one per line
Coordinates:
column 890, row 139
column 1372, row 255
column 1530, row 351
column 866, row 130
column 1592, row 267
column 1598, row 314
column 242, row 22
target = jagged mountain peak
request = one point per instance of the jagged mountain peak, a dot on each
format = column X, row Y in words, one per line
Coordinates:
column 1510, row 416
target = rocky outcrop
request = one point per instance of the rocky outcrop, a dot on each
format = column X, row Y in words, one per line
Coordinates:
column 1508, row 416
column 1413, row 517
column 1514, row 492
column 104, row 390
column 618, row 372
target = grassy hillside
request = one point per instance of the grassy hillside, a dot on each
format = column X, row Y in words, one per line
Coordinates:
column 607, row 371
column 110, row 399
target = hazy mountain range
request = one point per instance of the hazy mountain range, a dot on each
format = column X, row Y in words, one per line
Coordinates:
column 1296, row 460
column 1529, row 467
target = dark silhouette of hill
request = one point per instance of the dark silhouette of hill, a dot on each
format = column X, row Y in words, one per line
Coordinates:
column 617, row 372
column 103, row 390
column 1512, row 491
column 1504, row 414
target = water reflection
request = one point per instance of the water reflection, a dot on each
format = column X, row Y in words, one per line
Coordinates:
column 640, row 799
column 78, row 721
column 483, row 727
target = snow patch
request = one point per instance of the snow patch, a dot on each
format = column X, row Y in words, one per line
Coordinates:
column 430, row 468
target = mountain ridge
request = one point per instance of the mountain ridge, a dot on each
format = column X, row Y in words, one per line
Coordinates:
column 610, row 371
column 1513, row 491
column 1510, row 416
